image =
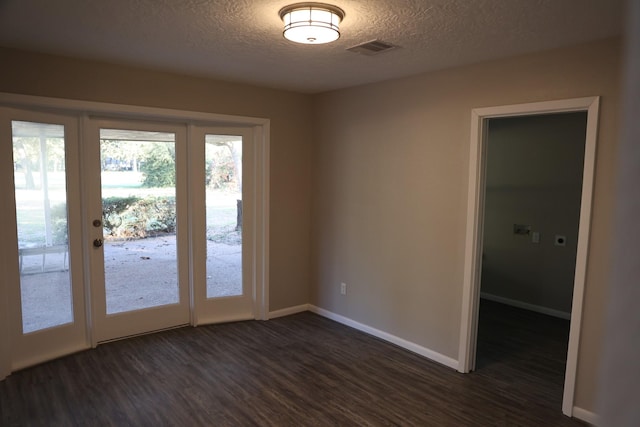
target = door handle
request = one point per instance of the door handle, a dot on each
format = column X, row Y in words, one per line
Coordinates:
column 97, row 243
column 97, row 223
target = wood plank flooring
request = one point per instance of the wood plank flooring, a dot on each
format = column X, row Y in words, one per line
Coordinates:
column 521, row 348
column 300, row 370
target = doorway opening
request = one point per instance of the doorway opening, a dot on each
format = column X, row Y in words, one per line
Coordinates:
column 532, row 191
column 476, row 228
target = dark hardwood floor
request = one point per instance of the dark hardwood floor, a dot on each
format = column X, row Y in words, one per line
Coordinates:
column 521, row 348
column 301, row 370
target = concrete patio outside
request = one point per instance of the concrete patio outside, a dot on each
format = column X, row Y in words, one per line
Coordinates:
column 139, row 273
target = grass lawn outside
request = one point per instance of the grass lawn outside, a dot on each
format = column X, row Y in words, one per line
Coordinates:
column 221, row 206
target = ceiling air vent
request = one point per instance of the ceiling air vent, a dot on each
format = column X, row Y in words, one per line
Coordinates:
column 373, row 47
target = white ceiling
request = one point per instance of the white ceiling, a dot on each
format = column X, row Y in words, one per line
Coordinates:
column 241, row 40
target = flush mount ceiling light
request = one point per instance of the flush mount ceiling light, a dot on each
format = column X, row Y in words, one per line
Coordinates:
column 311, row 23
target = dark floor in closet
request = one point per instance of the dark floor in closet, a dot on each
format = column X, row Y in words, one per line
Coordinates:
column 523, row 348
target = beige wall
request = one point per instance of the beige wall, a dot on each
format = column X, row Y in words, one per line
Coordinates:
column 534, row 178
column 390, row 188
column 290, row 115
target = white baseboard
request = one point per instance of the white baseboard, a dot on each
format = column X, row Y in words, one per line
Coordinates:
column 526, row 306
column 288, row 311
column 408, row 345
column 586, row 416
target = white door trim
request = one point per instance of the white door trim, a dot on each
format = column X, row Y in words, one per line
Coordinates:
column 475, row 220
column 126, row 111
column 262, row 173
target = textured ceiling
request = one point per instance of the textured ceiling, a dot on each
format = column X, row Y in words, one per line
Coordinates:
column 241, row 40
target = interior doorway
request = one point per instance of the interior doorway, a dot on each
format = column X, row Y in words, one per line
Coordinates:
column 475, row 229
column 532, row 192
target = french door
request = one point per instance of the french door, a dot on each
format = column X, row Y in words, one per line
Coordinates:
column 137, row 231
column 113, row 228
column 42, row 232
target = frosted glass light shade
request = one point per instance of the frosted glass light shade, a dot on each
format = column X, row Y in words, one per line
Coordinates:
column 311, row 23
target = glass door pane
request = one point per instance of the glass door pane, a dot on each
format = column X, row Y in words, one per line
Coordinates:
column 223, row 186
column 138, row 175
column 41, row 219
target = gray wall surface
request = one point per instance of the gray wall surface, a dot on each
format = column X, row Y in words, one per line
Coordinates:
column 534, row 178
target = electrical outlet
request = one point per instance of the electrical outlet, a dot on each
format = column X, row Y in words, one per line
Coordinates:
column 343, row 288
column 535, row 237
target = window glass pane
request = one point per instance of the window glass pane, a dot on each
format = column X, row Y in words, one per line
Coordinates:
column 41, row 214
column 138, row 171
column 224, row 215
